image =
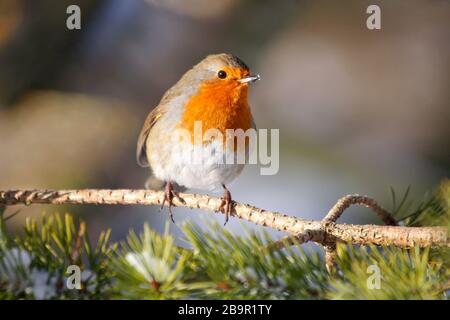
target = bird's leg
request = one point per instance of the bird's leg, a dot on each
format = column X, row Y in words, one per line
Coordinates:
column 226, row 205
column 169, row 194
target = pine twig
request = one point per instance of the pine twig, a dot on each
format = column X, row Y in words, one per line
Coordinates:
column 338, row 209
column 330, row 257
column 357, row 234
column 336, row 212
column 78, row 242
column 343, row 203
column 304, row 237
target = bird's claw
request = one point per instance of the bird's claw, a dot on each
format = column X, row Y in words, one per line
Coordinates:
column 169, row 194
column 226, row 205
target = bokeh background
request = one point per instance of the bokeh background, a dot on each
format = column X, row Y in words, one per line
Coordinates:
column 358, row 110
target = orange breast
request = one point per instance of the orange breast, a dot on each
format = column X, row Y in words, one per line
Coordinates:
column 218, row 104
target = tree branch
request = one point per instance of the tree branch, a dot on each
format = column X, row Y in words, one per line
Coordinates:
column 336, row 212
column 324, row 234
column 333, row 215
column 343, row 203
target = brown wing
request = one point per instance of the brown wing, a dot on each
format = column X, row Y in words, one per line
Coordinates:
column 141, row 153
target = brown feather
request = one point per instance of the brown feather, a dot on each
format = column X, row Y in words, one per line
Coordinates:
column 141, row 153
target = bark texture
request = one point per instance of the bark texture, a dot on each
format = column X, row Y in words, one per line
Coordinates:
column 326, row 232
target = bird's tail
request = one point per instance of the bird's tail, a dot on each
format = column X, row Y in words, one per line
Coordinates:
column 154, row 183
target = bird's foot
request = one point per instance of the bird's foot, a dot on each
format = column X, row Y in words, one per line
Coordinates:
column 227, row 204
column 169, row 194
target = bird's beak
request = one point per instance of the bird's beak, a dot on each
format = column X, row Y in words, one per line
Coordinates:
column 250, row 79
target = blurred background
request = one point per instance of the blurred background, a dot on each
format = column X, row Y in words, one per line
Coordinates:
column 358, row 110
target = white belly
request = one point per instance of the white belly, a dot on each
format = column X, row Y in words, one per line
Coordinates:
column 202, row 167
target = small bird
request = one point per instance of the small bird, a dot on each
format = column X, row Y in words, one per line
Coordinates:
column 213, row 93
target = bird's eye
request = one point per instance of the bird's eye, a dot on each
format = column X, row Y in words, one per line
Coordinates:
column 222, row 74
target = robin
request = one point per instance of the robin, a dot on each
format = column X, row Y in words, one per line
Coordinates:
column 214, row 94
